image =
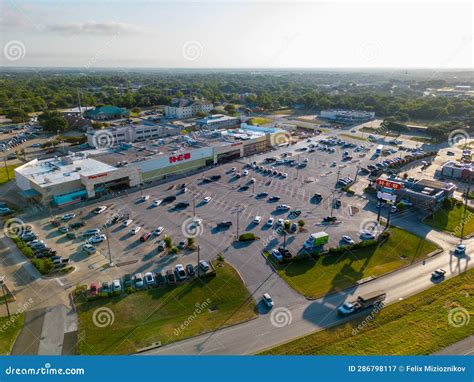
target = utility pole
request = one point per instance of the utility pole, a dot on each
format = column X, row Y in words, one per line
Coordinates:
column 199, row 257
column 388, row 216
column 465, row 207
column 2, row 283
column 108, row 244
column 334, row 193
column 357, row 172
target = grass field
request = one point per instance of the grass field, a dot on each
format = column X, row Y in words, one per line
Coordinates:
column 259, row 120
column 330, row 273
column 421, row 324
column 353, row 137
column 9, row 171
column 9, row 329
column 165, row 314
column 451, row 221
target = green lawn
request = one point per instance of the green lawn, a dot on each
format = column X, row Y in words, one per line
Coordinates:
column 353, row 137
column 166, row 314
column 416, row 326
column 259, row 120
column 314, row 277
column 450, row 221
column 9, row 329
column 9, row 171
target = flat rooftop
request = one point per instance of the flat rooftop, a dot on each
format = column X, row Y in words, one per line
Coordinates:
column 48, row 172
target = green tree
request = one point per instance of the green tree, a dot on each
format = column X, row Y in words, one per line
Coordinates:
column 53, row 121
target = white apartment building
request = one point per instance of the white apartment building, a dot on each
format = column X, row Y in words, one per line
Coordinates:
column 187, row 108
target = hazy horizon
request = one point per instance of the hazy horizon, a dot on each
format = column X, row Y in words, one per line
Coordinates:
column 253, row 35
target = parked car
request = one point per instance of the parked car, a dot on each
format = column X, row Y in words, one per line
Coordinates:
column 156, row 203
column 145, row 236
column 67, row 217
column 180, row 272
column 257, row 219
column 97, row 239
column 181, row 205
column 270, row 221
column 135, row 230
column 99, row 210
column 170, row 276
column 204, row 265
column 105, row 287
column 127, row 281
column 138, row 280
column 190, row 270
column 169, row 199
column 224, row 224
column 93, row 289
column 158, row 231
column 89, row 248
column 116, row 285
column 91, row 232
column 276, row 254
column 149, row 279
column 127, row 222
column 347, row 239
column 76, row 225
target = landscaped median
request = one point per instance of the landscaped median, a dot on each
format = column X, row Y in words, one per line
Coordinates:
column 317, row 275
column 124, row 324
column 421, row 324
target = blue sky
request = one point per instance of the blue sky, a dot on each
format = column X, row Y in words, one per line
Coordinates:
column 232, row 34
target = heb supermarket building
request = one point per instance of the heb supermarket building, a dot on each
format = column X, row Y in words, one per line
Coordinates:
column 71, row 179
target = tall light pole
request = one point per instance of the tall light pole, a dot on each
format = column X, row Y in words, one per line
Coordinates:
column 238, row 212
column 199, row 258
column 6, row 168
column 465, row 207
column 108, row 244
column 2, row 284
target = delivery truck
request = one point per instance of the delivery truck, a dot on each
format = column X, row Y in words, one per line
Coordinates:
column 317, row 239
column 362, row 302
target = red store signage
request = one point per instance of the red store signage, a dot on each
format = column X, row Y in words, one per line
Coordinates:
column 179, row 158
column 97, row 176
column 389, row 184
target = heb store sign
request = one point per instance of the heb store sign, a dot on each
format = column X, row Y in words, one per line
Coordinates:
column 179, row 158
column 97, row 176
column 389, row 184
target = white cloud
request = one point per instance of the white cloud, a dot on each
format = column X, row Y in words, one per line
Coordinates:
column 96, row 28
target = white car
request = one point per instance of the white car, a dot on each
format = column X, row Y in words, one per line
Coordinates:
column 280, row 222
column 97, row 239
column 257, row 219
column 89, row 248
column 393, row 209
column 233, row 169
column 180, row 272
column 158, row 231
column 138, row 280
column 267, row 300
column 99, row 210
column 156, row 203
column 333, row 164
column 135, row 230
column 306, row 160
column 277, row 255
column 207, row 199
column 460, row 249
column 144, row 198
column 283, row 207
column 367, row 235
column 149, row 279
column 67, row 217
column 91, row 232
column 270, row 222
column 116, row 286
column 348, row 239
column 285, row 175
column 127, row 222
column 245, row 172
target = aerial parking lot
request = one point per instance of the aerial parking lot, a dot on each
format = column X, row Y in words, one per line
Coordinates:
column 150, row 230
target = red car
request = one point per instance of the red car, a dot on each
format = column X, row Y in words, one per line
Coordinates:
column 94, row 289
column 145, row 236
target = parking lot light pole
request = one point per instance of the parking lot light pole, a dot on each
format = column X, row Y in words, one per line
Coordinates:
column 2, row 284
column 108, row 245
column 194, row 205
column 238, row 212
column 199, row 257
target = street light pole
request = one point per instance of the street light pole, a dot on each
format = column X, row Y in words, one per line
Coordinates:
column 108, row 244
column 198, row 266
column 2, row 283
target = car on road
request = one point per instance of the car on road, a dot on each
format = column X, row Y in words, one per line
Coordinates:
column 138, row 278
column 347, row 239
column 116, row 285
column 96, row 239
column 267, row 299
column 67, row 217
column 157, row 202
column 460, row 249
column 257, row 219
column 270, row 221
column 149, row 279
column 135, row 230
column 190, row 270
column 439, row 273
column 127, row 222
column 180, row 272
column 89, row 248
column 224, row 224
column 158, row 231
column 207, row 199
column 145, row 236
column 204, row 265
column 99, row 210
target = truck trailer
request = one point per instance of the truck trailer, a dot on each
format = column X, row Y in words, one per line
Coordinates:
column 362, row 302
column 316, row 239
